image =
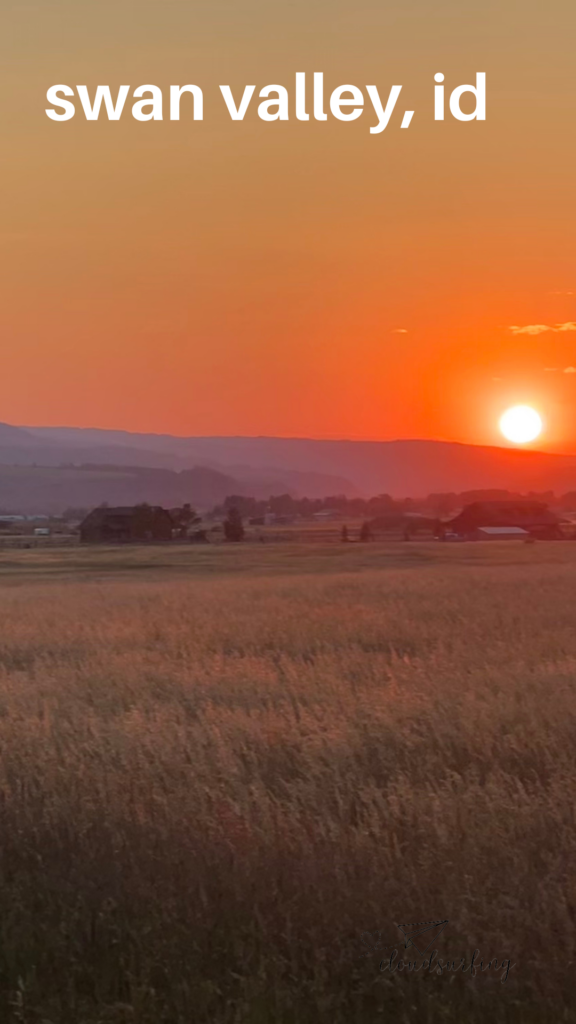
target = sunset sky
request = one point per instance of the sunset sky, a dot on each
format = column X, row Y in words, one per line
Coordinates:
column 290, row 278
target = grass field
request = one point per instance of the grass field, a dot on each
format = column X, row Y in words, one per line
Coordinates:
column 220, row 766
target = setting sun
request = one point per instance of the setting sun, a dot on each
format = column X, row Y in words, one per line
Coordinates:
column 521, row 424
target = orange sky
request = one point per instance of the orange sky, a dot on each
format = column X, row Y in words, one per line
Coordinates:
column 248, row 278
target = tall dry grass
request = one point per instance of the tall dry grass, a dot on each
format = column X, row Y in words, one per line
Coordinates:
column 210, row 787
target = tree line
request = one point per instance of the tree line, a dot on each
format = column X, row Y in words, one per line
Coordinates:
column 435, row 505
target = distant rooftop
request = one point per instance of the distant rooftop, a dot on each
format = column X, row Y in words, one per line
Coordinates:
column 508, row 531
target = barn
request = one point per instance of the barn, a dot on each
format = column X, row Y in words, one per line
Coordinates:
column 534, row 517
column 126, row 525
column 501, row 533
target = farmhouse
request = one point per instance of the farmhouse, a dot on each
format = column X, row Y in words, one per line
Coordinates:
column 501, row 533
column 125, row 525
column 533, row 517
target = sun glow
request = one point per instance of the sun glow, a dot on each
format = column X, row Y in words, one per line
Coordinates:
column 521, row 424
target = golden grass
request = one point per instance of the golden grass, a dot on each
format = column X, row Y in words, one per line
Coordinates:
column 219, row 767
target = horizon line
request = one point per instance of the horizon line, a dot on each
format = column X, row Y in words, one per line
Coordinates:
column 335, row 439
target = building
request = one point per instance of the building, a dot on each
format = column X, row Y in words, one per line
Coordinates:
column 126, row 525
column 501, row 533
column 533, row 517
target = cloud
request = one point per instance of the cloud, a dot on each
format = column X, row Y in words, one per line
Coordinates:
column 550, row 369
column 530, row 329
column 542, row 328
column 570, row 369
column 399, row 330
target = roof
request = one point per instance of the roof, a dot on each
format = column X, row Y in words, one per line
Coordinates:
column 506, row 531
column 504, row 513
column 104, row 512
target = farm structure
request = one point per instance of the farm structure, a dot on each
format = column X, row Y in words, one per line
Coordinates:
column 125, row 525
column 501, row 533
column 532, row 517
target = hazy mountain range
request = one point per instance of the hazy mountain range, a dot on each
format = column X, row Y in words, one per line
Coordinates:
column 50, row 468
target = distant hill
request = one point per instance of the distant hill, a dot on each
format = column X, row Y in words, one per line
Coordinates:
column 49, row 469
column 75, row 447
column 319, row 468
column 19, row 437
column 37, row 489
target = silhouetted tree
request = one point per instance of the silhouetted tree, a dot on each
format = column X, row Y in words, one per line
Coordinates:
column 244, row 505
column 381, row 503
column 184, row 518
column 365, row 534
column 233, row 528
column 344, row 535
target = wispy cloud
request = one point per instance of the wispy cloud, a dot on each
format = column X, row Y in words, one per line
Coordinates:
column 550, row 369
column 534, row 329
column 530, row 329
column 570, row 369
column 399, row 330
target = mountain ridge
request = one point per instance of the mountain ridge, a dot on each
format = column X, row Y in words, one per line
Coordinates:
column 400, row 467
column 262, row 466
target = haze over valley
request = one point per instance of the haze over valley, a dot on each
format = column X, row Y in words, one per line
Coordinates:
column 49, row 469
